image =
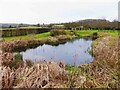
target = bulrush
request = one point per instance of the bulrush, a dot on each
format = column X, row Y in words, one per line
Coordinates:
column 7, row 77
column 40, row 75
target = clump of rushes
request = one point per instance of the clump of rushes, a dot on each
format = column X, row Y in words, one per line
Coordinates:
column 91, row 52
column 52, row 40
column 74, row 76
column 29, row 63
column 72, row 68
column 17, row 61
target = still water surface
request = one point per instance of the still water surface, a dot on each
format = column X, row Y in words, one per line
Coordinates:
column 73, row 52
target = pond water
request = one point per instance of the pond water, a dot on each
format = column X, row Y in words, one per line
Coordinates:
column 73, row 52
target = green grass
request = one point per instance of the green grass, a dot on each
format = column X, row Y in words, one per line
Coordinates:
column 31, row 36
column 43, row 35
column 71, row 68
column 85, row 32
column 15, row 38
column 100, row 32
column 113, row 33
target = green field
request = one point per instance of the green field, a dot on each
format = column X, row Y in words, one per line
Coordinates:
column 81, row 33
column 31, row 36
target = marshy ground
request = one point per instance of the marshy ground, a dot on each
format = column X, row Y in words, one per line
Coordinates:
column 103, row 72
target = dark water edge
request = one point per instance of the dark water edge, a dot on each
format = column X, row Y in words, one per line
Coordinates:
column 33, row 46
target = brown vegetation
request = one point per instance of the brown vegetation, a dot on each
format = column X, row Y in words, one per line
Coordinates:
column 27, row 43
column 40, row 75
column 102, row 73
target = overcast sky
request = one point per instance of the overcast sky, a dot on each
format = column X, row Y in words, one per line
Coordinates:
column 56, row 11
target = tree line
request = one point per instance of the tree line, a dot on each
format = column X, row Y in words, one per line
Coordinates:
column 100, row 24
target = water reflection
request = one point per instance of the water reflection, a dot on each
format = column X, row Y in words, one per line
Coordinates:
column 73, row 52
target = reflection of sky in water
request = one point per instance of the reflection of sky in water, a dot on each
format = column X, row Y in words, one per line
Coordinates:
column 71, row 52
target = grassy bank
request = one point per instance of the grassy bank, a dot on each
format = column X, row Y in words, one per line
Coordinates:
column 103, row 72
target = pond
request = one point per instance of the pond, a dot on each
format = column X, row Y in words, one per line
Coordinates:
column 74, row 52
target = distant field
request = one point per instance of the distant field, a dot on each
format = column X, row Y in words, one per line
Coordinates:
column 22, row 31
column 31, row 36
column 80, row 33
